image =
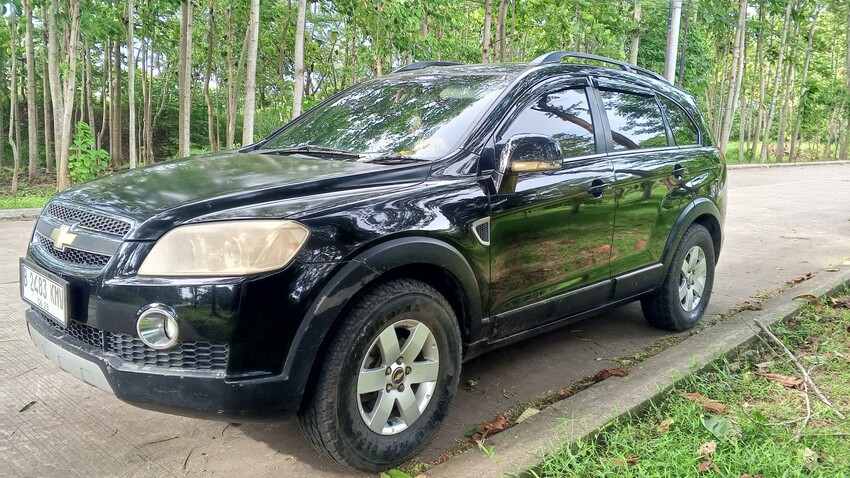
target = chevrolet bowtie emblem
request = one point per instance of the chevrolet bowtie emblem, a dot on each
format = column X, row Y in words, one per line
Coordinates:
column 62, row 237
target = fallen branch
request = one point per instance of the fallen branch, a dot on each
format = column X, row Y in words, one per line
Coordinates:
column 806, row 377
column 808, row 413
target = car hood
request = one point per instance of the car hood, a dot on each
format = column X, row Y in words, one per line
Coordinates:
column 157, row 198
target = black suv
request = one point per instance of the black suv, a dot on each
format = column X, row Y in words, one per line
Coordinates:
column 345, row 266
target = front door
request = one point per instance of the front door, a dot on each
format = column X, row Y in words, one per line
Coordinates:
column 550, row 238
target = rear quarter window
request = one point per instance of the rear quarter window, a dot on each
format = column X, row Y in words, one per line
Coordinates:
column 684, row 130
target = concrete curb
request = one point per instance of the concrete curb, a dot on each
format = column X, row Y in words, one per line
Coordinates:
column 521, row 448
column 786, row 165
column 20, row 214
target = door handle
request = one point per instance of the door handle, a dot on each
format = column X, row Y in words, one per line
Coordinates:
column 679, row 171
column 597, row 188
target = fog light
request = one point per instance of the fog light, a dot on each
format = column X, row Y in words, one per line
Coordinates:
column 158, row 328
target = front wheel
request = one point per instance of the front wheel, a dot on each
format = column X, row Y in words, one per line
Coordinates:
column 683, row 297
column 387, row 378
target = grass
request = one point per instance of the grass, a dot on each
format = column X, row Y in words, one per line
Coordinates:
column 665, row 440
column 29, row 195
column 808, row 152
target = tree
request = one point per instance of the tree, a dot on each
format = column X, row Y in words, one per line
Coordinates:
column 735, row 74
column 488, row 19
column 131, row 80
column 300, row 24
column 185, row 78
column 770, row 112
column 32, row 115
column 63, row 89
column 672, row 40
column 13, row 104
column 635, row 33
column 251, row 73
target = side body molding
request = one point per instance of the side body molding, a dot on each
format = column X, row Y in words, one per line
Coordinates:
column 363, row 269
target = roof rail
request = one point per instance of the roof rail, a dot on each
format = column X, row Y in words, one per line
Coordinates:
column 419, row 65
column 557, row 56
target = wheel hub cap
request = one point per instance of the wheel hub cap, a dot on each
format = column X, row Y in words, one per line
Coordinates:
column 692, row 279
column 398, row 377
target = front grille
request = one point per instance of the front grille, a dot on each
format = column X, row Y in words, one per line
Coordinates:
column 71, row 255
column 88, row 220
column 188, row 355
column 83, row 333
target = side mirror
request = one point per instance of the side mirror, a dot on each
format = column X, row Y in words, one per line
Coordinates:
column 526, row 153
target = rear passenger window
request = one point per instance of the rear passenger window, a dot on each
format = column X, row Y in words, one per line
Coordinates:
column 684, row 130
column 635, row 120
column 563, row 115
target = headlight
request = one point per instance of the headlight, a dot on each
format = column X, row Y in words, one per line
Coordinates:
column 232, row 248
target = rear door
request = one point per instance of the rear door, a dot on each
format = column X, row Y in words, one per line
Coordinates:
column 652, row 179
column 550, row 239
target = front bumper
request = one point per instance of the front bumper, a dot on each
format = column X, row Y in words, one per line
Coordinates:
column 196, row 393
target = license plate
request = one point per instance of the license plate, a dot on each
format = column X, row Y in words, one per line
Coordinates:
column 45, row 291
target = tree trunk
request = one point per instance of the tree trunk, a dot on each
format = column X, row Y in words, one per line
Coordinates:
column 772, row 110
column 795, row 135
column 13, row 102
column 32, row 115
column 784, row 112
column 672, row 39
column 48, row 126
column 298, row 92
column 231, row 85
column 488, row 19
column 845, row 140
column 756, row 133
column 743, row 115
column 207, row 75
column 683, row 53
column 734, row 77
column 635, row 33
column 63, row 91
column 131, row 81
column 185, row 79
column 116, row 131
column 281, row 61
column 501, row 23
column 89, row 99
column 251, row 73
column 2, row 105
column 105, row 93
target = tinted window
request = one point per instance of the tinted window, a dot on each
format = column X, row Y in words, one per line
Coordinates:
column 565, row 116
column 635, row 120
column 684, row 130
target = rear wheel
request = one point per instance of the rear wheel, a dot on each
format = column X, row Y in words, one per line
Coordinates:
column 387, row 378
column 683, row 297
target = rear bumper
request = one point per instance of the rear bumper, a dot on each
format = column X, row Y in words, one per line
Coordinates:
column 196, row 393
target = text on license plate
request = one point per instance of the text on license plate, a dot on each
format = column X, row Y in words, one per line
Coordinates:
column 43, row 293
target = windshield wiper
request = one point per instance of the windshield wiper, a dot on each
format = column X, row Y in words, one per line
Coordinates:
column 389, row 159
column 311, row 149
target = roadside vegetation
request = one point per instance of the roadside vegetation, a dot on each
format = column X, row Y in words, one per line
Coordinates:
column 75, row 102
column 749, row 415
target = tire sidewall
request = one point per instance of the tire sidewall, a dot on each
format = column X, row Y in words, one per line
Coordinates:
column 378, row 451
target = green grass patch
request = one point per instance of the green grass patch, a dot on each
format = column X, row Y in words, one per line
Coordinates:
column 27, row 197
column 755, row 433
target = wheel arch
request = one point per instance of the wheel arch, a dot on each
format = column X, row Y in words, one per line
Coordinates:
column 702, row 211
column 429, row 260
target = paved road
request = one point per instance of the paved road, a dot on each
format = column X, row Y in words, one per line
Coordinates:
column 782, row 223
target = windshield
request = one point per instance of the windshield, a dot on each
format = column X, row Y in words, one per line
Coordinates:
column 422, row 118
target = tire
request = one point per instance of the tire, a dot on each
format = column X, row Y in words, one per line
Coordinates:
column 349, row 427
column 683, row 297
